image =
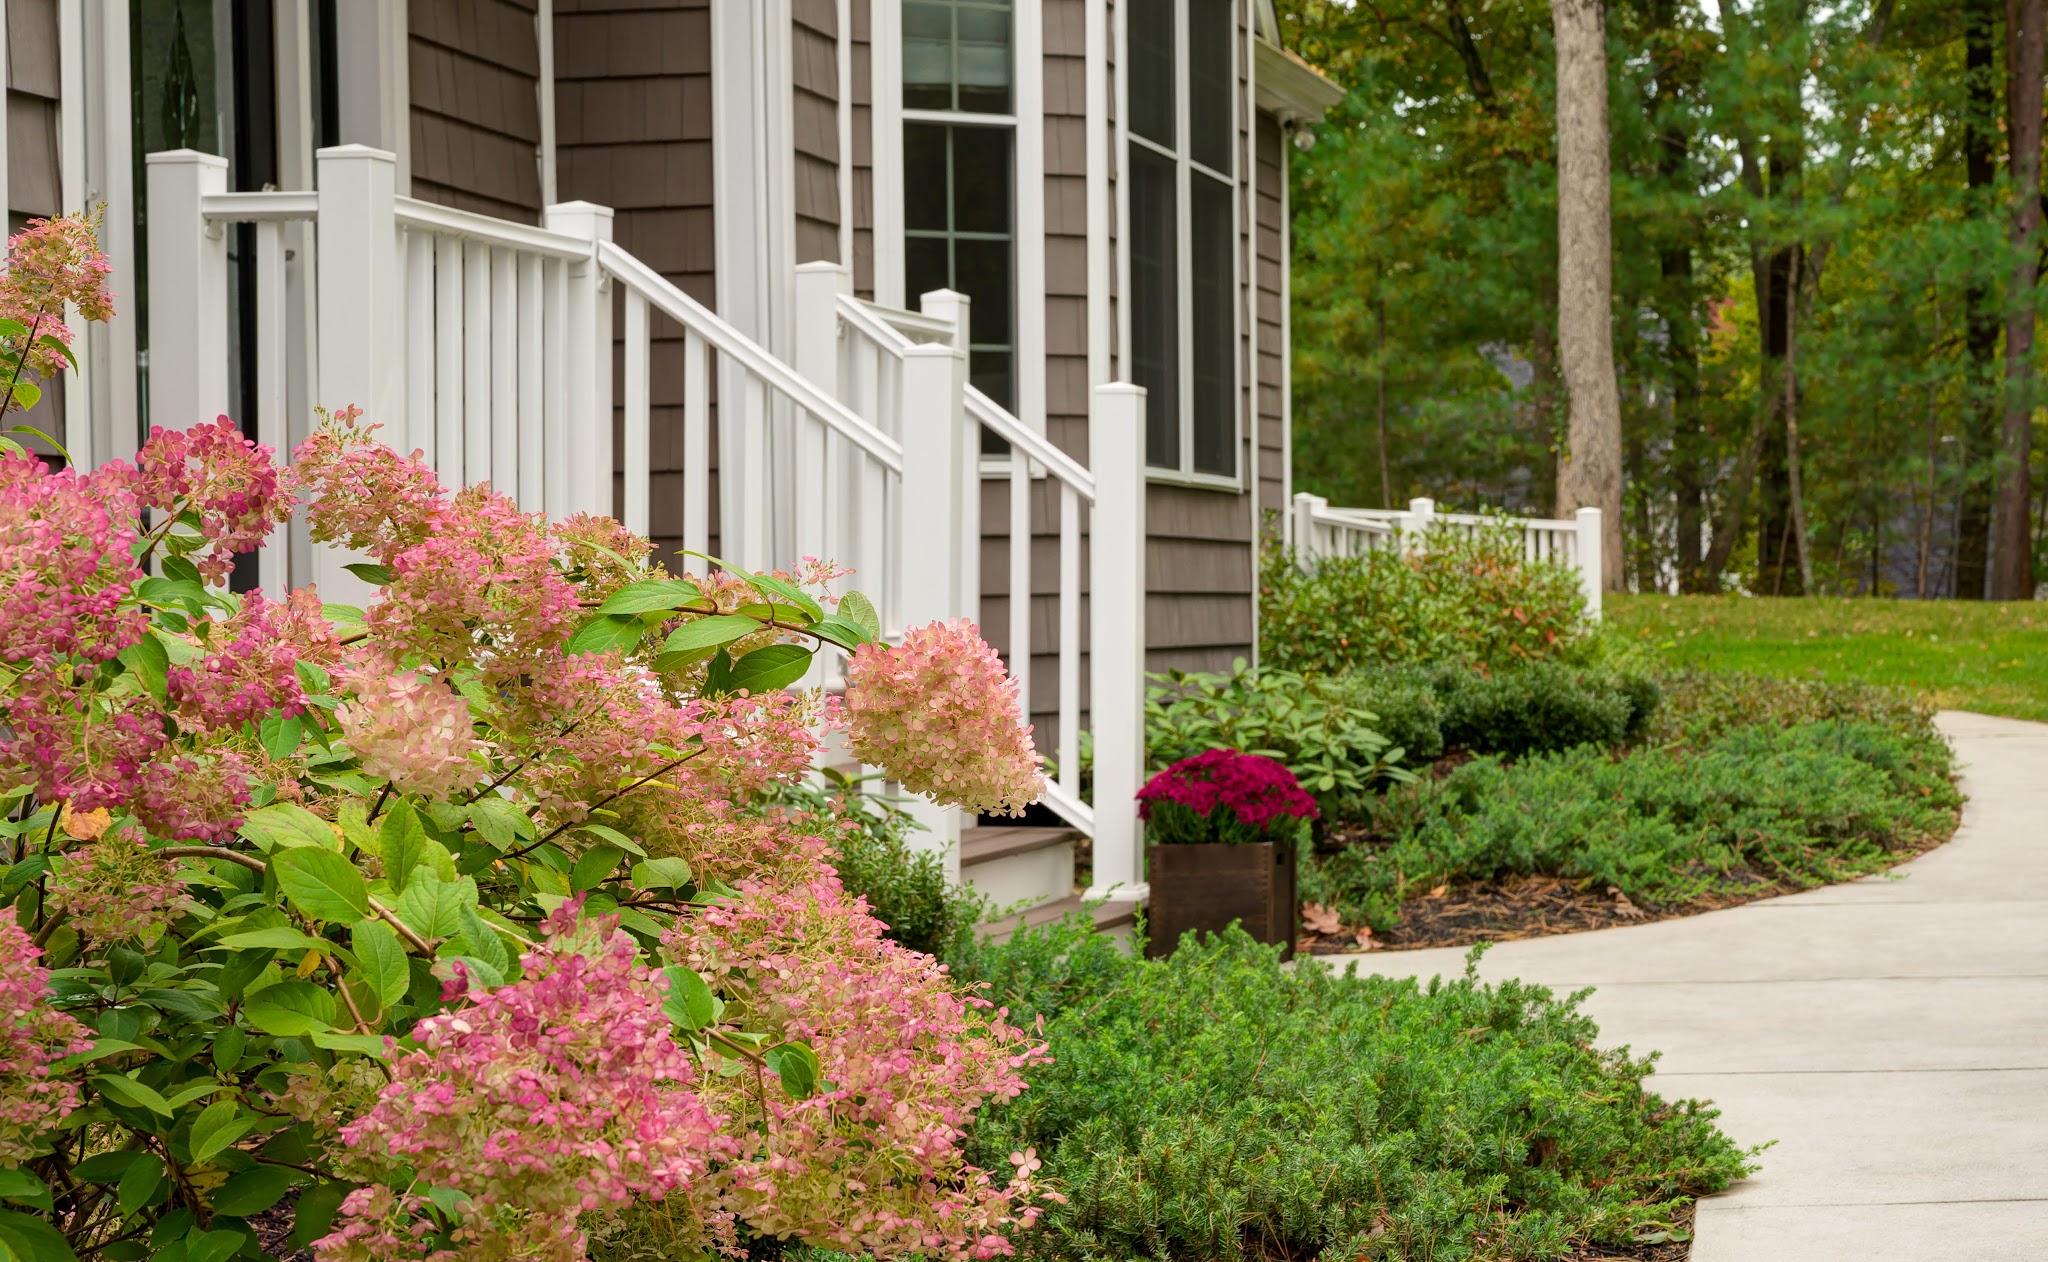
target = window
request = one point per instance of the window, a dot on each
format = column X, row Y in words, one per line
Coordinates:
column 1183, row 230
column 959, row 164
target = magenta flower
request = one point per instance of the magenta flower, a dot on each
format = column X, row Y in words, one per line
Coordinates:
column 1222, row 788
column 225, row 479
column 32, row 1035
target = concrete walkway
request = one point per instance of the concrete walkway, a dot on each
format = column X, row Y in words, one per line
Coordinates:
column 1891, row 1034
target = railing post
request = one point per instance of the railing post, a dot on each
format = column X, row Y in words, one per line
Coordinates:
column 1590, row 560
column 931, row 529
column 188, row 346
column 1306, row 507
column 1415, row 526
column 1116, row 637
column 818, row 286
column 359, row 315
column 955, row 309
column 588, row 365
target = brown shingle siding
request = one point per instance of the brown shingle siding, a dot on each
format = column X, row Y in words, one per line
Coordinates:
column 474, row 75
column 814, row 128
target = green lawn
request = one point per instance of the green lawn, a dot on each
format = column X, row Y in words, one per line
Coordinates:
column 1962, row 655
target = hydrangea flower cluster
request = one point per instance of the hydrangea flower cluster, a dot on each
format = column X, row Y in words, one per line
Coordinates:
column 193, row 796
column 115, row 889
column 558, row 1095
column 362, row 494
column 32, row 1035
column 941, row 714
column 252, row 670
column 872, row 1163
column 225, row 480
column 50, row 263
column 411, row 730
column 1224, row 795
column 65, row 541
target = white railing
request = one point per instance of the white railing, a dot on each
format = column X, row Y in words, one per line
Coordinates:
column 489, row 347
column 1321, row 531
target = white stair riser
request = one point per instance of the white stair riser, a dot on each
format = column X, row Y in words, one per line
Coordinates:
column 1018, row 881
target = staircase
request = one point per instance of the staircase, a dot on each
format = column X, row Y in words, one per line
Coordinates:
column 1027, row 874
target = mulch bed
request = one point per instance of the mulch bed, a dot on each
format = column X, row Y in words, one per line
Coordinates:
column 1674, row 1250
column 1536, row 907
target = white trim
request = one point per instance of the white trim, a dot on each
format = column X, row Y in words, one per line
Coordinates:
column 843, row 49
column 544, row 40
column 1286, row 346
column 1250, row 309
column 885, row 61
column 1120, row 363
column 4, row 208
column 1027, row 220
column 1199, row 481
column 964, row 116
column 371, row 39
column 73, row 39
column 1095, row 45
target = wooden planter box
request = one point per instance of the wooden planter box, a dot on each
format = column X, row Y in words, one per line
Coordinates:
column 1205, row 887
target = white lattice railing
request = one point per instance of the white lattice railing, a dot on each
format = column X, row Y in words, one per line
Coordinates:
column 489, row 346
column 1320, row 530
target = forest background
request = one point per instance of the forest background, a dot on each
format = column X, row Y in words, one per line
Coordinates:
column 1813, row 227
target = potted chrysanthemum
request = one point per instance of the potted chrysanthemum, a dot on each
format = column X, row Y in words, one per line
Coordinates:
column 1223, row 830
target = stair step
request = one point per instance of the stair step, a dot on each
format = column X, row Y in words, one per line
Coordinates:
column 1016, row 868
column 985, row 843
column 1116, row 916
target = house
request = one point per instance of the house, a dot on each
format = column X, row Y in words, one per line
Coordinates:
column 867, row 276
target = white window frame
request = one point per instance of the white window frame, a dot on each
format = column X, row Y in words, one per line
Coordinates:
column 1185, row 169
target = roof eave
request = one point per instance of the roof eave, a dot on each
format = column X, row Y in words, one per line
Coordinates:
column 1289, row 88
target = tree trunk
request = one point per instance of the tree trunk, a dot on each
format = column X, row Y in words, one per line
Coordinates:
column 1777, row 569
column 1794, row 488
column 1980, row 335
column 1591, row 473
column 1677, row 300
column 1386, row 470
column 2012, row 577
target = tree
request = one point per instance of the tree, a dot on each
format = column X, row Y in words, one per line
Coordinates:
column 1590, row 475
column 2013, row 573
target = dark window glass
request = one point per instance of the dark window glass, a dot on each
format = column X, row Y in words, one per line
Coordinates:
column 956, row 55
column 1209, row 83
column 960, row 237
column 1155, row 304
column 991, row 374
column 924, row 176
column 981, row 179
column 1150, row 30
column 1209, row 261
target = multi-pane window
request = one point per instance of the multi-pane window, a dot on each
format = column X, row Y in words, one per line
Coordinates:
column 1182, row 100
column 959, row 163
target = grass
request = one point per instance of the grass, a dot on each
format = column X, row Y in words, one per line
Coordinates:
column 1960, row 655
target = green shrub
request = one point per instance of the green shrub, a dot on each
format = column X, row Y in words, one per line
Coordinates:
column 1468, row 599
column 1542, row 706
column 905, row 887
column 1215, row 1106
column 1701, row 705
column 1336, row 750
column 1801, row 806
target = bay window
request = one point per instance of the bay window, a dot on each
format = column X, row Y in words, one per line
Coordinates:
column 1182, row 99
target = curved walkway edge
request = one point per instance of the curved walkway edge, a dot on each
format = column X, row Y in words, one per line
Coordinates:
column 1891, row 1034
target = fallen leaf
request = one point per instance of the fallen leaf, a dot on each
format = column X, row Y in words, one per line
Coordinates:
column 1440, row 891
column 1628, row 909
column 1322, row 920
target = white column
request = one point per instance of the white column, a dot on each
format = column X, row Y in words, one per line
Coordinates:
column 588, row 361
column 931, row 529
column 957, row 310
column 1116, row 637
column 1590, row 559
column 818, row 286
column 360, row 308
column 188, row 338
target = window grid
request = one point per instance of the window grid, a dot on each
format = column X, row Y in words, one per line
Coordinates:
column 1204, row 444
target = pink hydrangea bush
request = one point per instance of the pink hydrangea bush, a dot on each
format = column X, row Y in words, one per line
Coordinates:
column 311, row 814
column 32, row 1036
column 941, row 713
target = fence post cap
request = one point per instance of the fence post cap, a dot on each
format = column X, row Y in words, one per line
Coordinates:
column 182, row 157
column 1120, row 389
column 354, row 153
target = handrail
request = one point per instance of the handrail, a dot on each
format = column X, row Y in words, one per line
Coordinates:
column 1033, row 444
column 904, row 322
column 414, row 213
column 1072, row 809
column 862, row 316
column 693, row 315
column 266, row 207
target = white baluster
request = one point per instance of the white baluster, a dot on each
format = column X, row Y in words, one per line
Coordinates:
column 697, row 368
column 635, row 432
column 1590, row 577
column 587, row 333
